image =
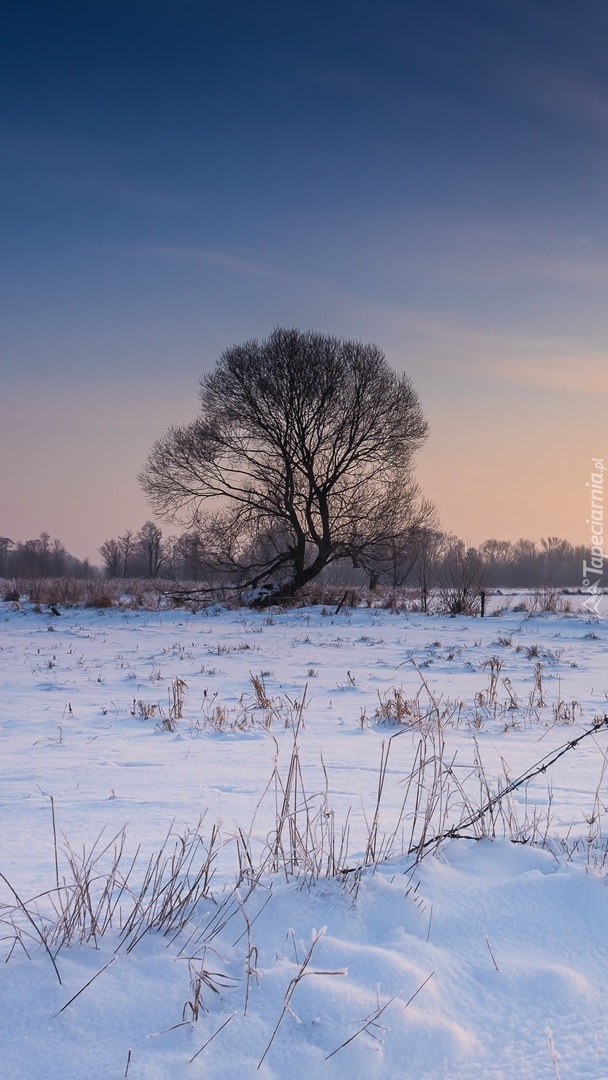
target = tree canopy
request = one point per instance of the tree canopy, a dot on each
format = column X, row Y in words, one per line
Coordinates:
column 302, row 454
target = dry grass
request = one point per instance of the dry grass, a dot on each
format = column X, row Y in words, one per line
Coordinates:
column 106, row 890
column 336, row 599
column 395, row 708
column 94, row 592
column 549, row 598
column 258, row 709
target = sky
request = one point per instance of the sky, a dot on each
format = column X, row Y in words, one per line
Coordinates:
column 177, row 177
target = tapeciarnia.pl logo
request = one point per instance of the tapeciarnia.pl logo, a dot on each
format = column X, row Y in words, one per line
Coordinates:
column 593, row 571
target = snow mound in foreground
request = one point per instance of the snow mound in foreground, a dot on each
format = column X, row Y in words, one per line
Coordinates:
column 488, row 959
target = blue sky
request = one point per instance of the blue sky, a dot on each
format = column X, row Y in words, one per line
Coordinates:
column 178, row 177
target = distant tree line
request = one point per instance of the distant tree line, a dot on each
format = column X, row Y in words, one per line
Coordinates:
column 41, row 558
column 424, row 558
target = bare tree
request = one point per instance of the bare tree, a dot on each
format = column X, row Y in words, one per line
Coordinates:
column 431, row 545
column 556, row 555
column 126, row 545
column 305, row 442
column 44, row 551
column 462, row 580
column 6, row 544
column 525, row 559
column 150, row 548
column 394, row 559
column 58, row 558
column 191, row 553
column 118, row 555
column 110, row 553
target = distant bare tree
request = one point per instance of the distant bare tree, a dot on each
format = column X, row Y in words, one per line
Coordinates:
column 393, row 559
column 190, row 551
column 6, row 544
column 119, row 555
column 170, row 557
column 44, row 550
column 462, row 579
column 557, row 557
column 111, row 555
column 150, row 548
column 57, row 558
column 431, row 547
column 305, row 442
column 127, row 547
column 525, row 560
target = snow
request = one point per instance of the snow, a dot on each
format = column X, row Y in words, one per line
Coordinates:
column 485, row 958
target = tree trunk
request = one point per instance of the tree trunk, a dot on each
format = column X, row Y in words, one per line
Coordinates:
column 285, row 592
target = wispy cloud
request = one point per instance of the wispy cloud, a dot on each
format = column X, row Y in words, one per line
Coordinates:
column 579, row 373
column 535, row 362
column 447, row 343
column 485, row 250
column 570, row 96
column 581, row 99
column 216, row 258
column 591, row 273
column 225, row 261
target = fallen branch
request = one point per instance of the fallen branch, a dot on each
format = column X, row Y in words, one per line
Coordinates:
column 456, row 832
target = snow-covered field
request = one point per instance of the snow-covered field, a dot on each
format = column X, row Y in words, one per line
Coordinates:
column 263, row 744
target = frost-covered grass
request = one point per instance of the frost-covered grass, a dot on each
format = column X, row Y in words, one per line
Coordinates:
column 222, row 844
